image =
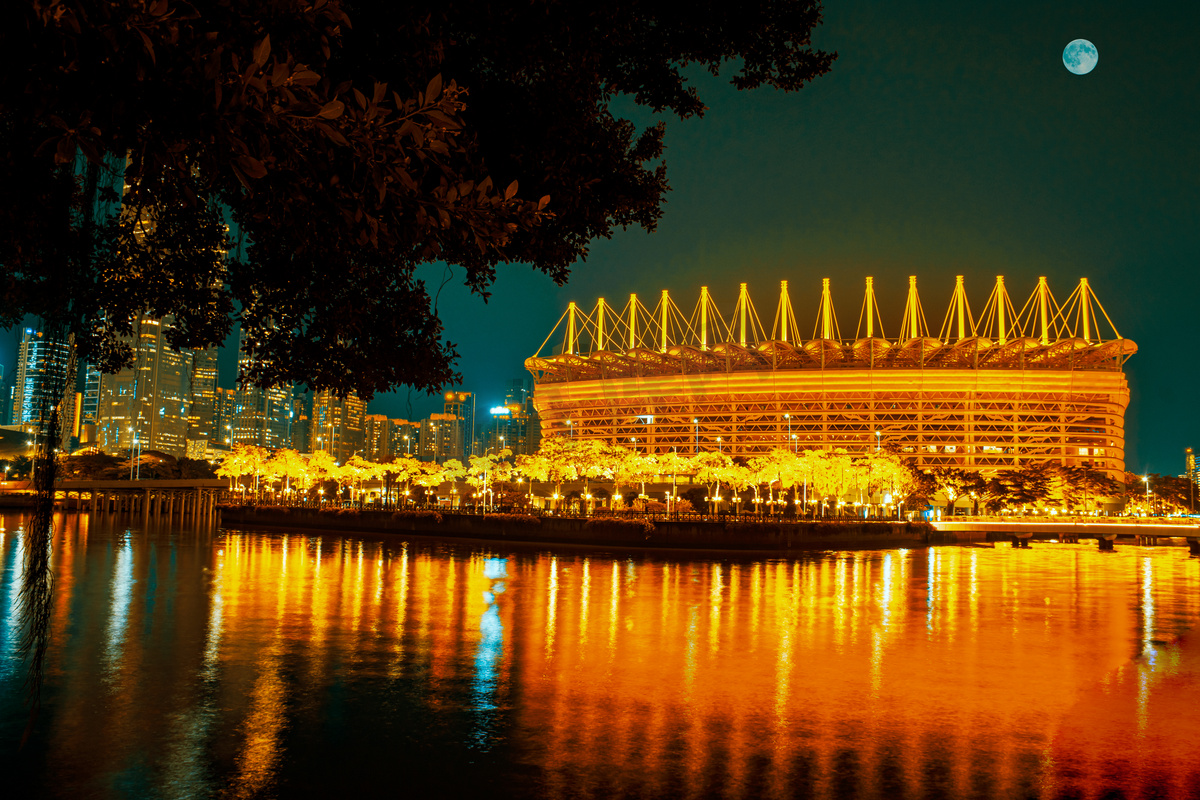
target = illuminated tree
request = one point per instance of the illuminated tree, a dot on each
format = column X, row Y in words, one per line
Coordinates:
column 291, row 466
column 627, row 466
column 713, row 469
column 244, row 460
column 675, row 464
column 552, row 464
column 485, row 471
column 953, row 482
column 402, row 469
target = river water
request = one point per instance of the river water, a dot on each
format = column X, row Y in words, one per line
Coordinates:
column 221, row 663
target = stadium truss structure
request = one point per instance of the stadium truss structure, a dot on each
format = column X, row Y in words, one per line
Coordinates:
column 1045, row 383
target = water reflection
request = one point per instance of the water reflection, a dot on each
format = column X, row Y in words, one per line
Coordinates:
column 193, row 663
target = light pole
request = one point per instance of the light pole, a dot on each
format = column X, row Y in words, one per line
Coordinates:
column 695, row 436
column 877, row 434
column 1146, row 480
column 571, row 429
column 407, row 445
column 788, row 417
column 719, row 448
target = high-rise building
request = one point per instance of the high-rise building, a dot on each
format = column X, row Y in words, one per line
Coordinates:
column 301, row 420
column 336, row 425
column 442, row 438
column 513, row 425
column 262, row 417
column 375, row 438
column 149, row 400
column 1189, row 464
column 89, row 413
column 404, row 437
column 202, row 419
column 385, row 439
column 458, row 409
column 41, row 379
column 224, row 410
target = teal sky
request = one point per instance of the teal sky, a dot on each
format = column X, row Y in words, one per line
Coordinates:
column 949, row 139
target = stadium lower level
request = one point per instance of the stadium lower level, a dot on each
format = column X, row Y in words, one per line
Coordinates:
column 976, row 419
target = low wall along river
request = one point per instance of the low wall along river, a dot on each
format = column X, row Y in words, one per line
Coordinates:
column 601, row 530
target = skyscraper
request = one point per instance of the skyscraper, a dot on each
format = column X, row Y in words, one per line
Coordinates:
column 203, row 417
column 90, row 412
column 224, row 410
column 515, row 425
column 40, row 379
column 262, row 417
column 441, row 439
column 149, row 400
column 337, row 425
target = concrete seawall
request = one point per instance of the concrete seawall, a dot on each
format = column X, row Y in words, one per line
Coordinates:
column 610, row 531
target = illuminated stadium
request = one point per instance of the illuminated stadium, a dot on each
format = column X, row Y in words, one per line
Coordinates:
column 1009, row 387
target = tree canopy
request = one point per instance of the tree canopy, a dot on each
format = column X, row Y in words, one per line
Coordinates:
column 342, row 144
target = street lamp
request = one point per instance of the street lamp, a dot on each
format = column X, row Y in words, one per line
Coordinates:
column 570, row 428
column 719, row 450
column 634, row 440
column 788, row 417
column 877, row 435
column 1146, row 480
column 695, row 436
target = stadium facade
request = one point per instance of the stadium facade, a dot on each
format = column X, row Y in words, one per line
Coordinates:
column 1011, row 387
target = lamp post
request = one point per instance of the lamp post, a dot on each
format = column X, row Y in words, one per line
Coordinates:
column 407, row 445
column 570, row 429
column 1146, row 480
column 695, row 436
column 788, row 417
column 877, row 434
column 719, row 448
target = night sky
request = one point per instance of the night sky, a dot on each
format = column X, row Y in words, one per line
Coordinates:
column 948, row 139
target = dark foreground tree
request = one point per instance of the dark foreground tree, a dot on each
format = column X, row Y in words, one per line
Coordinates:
column 348, row 142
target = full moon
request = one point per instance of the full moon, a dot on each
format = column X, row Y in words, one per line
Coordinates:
column 1080, row 56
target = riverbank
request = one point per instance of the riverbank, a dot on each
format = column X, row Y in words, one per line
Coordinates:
column 730, row 534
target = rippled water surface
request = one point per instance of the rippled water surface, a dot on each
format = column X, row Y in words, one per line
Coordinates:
column 279, row 664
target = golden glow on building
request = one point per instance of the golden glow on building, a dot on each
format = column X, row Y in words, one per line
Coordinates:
column 1043, row 383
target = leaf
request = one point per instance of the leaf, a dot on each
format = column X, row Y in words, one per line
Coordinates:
column 380, row 92
column 511, row 191
column 361, row 98
column 262, row 50
column 149, row 46
column 306, row 77
column 333, row 135
column 434, row 88
column 545, row 201
column 251, row 166
column 438, row 116
column 331, row 110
